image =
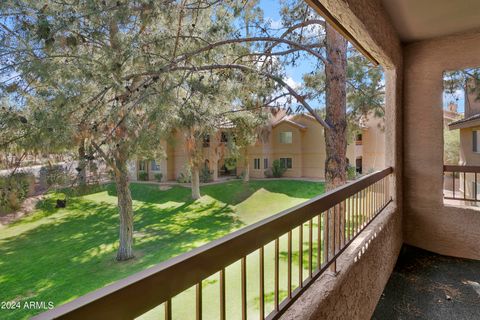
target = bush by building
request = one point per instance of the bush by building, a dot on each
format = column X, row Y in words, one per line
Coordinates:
column 14, row 189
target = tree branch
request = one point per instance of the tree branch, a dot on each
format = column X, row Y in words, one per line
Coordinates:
column 279, row 80
column 211, row 46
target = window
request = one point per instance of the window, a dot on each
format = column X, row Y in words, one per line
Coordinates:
column 286, row 163
column 358, row 164
column 265, row 163
column 142, row 165
column 256, row 163
column 224, row 137
column 475, row 141
column 461, row 136
column 358, row 139
column 155, row 165
column 206, row 141
column 286, row 137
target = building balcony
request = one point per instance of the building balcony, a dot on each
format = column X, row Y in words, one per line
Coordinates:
column 349, row 258
column 321, row 238
column 340, row 256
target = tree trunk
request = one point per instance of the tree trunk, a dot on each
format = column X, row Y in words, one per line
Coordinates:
column 125, row 249
column 336, row 105
column 246, row 169
column 214, row 162
column 215, row 170
column 195, row 182
column 82, row 165
column 336, row 137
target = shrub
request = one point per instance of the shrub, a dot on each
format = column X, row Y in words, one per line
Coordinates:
column 351, row 173
column 205, row 175
column 185, row 175
column 82, row 190
column 13, row 190
column 230, row 164
column 241, row 175
column 111, row 175
column 277, row 169
column 53, row 176
column 143, row 176
column 158, row 176
column 268, row 173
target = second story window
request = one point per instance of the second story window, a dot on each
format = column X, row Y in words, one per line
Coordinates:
column 358, row 139
column 224, row 137
column 286, row 137
column 256, row 163
column 206, row 141
column 475, row 141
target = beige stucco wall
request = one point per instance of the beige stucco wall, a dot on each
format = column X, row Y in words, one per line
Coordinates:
column 262, row 149
column 170, row 162
column 179, row 153
column 429, row 223
column 313, row 148
column 472, row 103
column 373, row 145
column 467, row 156
column 215, row 152
column 307, row 149
column 289, row 150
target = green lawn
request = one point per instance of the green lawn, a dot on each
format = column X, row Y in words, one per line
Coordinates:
column 60, row 254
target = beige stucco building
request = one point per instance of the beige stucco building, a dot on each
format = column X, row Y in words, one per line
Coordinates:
column 469, row 128
column 370, row 145
column 297, row 141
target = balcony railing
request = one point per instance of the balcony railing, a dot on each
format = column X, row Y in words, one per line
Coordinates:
column 464, row 182
column 315, row 234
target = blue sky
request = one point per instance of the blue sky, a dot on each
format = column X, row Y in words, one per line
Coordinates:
column 294, row 74
column 458, row 97
column 271, row 9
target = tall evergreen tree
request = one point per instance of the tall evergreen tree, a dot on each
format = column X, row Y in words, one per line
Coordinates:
column 118, row 71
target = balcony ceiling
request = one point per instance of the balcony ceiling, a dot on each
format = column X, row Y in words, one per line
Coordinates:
column 423, row 19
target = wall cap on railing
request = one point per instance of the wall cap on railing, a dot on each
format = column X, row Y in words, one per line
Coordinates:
column 136, row 294
column 460, row 168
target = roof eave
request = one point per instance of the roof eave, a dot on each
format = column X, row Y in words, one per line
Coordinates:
column 464, row 124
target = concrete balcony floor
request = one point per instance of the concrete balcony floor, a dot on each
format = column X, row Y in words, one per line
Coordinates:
column 426, row 285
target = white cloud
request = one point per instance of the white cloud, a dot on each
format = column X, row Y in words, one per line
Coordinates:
column 314, row 30
column 276, row 24
column 292, row 83
column 286, row 100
